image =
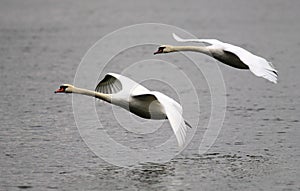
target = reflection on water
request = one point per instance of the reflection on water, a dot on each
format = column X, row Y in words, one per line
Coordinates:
column 184, row 172
column 155, row 176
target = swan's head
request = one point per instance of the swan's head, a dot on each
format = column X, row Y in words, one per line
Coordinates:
column 164, row 49
column 65, row 88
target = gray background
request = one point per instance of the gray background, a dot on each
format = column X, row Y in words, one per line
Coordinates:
column 41, row 45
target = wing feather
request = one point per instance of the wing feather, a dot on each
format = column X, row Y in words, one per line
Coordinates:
column 114, row 83
column 109, row 85
column 257, row 65
column 206, row 41
column 174, row 113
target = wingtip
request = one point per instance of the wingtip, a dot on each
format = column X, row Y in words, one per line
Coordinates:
column 271, row 78
column 176, row 37
column 274, row 81
column 181, row 143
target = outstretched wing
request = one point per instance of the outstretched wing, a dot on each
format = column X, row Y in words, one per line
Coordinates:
column 109, row 85
column 206, row 41
column 257, row 65
column 174, row 113
column 114, row 83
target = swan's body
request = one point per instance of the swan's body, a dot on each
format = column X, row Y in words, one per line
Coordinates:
column 124, row 92
column 229, row 54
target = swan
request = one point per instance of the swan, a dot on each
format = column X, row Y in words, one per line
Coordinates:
column 229, row 54
column 128, row 94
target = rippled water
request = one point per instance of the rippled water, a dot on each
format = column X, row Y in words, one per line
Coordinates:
column 41, row 45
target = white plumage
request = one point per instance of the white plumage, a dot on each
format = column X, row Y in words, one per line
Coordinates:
column 228, row 54
column 126, row 93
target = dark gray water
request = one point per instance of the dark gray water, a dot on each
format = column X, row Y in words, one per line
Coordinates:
column 41, row 45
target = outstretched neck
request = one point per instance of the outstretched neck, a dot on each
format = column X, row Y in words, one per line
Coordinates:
column 201, row 49
column 105, row 97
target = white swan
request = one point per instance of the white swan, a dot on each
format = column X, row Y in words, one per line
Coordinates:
column 124, row 92
column 229, row 54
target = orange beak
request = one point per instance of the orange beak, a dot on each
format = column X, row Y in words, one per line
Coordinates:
column 60, row 90
column 159, row 51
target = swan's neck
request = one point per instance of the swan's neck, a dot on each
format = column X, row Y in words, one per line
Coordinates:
column 201, row 49
column 105, row 97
